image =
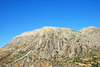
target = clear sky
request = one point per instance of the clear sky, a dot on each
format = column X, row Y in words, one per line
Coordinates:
column 18, row 16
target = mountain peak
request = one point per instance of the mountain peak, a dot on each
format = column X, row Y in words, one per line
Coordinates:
column 90, row 30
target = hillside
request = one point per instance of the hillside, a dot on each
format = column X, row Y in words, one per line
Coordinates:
column 53, row 47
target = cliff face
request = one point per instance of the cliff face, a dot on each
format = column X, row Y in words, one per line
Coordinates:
column 35, row 48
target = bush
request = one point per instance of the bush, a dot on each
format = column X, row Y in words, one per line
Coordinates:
column 95, row 64
column 21, row 52
column 94, row 58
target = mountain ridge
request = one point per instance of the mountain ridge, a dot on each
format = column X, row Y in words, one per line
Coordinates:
column 47, row 27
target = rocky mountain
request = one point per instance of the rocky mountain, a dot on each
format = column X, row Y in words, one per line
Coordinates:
column 52, row 47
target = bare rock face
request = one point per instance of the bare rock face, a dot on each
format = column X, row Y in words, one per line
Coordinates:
column 93, row 33
column 48, row 43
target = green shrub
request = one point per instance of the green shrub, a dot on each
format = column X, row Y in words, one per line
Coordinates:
column 94, row 58
column 21, row 52
column 95, row 64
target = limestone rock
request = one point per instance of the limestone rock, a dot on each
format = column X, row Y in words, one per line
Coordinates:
column 48, row 43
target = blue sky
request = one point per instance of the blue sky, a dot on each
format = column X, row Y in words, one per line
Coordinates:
column 18, row 16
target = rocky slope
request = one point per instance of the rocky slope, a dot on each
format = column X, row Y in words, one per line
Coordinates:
column 43, row 47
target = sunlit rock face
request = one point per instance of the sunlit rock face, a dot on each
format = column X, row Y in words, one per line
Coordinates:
column 48, row 43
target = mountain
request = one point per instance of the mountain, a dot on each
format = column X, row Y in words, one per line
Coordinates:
column 52, row 47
